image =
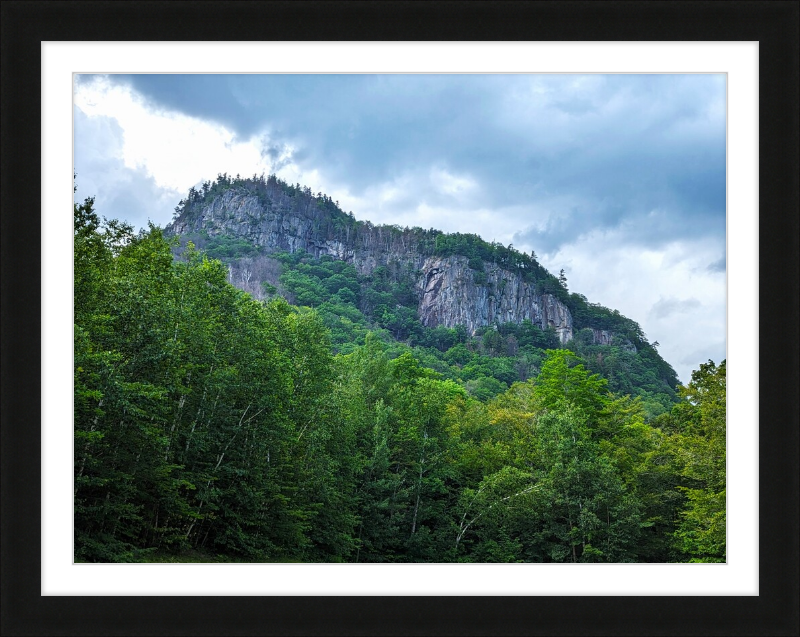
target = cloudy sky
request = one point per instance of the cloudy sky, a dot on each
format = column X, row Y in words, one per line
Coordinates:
column 617, row 179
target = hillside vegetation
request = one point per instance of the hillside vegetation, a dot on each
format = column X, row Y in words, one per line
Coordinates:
column 211, row 425
column 385, row 300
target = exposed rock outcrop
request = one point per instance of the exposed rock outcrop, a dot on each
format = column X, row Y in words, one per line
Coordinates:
column 601, row 337
column 450, row 296
column 279, row 227
column 605, row 337
column 448, row 291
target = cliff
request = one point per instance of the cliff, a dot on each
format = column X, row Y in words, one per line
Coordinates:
column 449, row 295
column 451, row 289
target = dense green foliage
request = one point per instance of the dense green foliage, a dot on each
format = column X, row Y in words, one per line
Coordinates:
column 386, row 300
column 211, row 423
column 486, row 363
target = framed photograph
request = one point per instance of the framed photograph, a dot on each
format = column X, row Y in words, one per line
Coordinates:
column 738, row 62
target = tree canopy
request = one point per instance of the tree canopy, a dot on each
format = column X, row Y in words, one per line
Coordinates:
column 213, row 425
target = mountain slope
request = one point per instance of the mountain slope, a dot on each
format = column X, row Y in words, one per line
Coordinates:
column 458, row 279
column 277, row 237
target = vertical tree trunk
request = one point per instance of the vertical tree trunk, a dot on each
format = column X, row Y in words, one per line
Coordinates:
column 419, row 487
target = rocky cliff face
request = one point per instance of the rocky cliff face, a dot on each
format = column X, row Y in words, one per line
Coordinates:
column 604, row 337
column 450, row 296
column 601, row 337
column 448, row 292
column 279, row 227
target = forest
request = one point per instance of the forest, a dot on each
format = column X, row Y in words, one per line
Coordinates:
column 212, row 425
column 385, row 301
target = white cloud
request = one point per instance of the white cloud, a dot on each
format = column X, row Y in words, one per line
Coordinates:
column 403, row 202
column 128, row 194
column 636, row 280
column 665, row 307
column 457, row 186
column 175, row 150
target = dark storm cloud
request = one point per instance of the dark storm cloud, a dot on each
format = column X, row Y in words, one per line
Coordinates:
column 201, row 96
column 642, row 155
column 278, row 155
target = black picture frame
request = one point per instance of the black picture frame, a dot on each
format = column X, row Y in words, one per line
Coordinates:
column 775, row 25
